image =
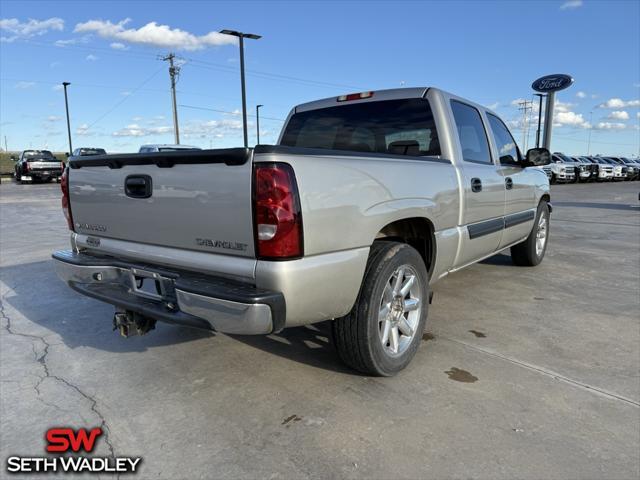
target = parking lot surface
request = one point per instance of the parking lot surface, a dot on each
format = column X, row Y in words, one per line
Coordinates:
column 523, row 372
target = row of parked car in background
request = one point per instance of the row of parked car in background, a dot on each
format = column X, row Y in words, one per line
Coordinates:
column 41, row 165
column 569, row 169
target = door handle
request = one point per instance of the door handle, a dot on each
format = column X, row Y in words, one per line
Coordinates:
column 138, row 186
column 508, row 183
column 476, row 185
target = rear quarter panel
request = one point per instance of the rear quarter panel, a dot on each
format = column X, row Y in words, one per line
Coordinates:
column 346, row 201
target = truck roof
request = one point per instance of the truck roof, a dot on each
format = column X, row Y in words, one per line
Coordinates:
column 378, row 95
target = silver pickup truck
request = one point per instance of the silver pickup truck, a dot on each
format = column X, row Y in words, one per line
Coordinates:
column 366, row 201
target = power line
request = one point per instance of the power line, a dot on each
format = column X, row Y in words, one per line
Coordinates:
column 124, row 99
column 262, row 117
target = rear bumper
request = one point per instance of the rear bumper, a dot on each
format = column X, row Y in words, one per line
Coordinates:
column 184, row 298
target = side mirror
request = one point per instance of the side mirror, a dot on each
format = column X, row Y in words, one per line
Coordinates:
column 66, row 154
column 536, row 157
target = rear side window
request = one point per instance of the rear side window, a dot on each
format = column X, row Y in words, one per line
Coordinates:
column 473, row 138
column 398, row 127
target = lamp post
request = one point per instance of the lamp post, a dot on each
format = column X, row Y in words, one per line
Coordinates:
column 590, row 128
column 258, row 123
column 540, row 95
column 242, row 36
column 66, row 104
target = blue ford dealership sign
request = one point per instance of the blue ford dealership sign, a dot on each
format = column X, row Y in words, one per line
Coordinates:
column 552, row 83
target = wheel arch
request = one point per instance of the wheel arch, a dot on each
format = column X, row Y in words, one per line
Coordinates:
column 418, row 232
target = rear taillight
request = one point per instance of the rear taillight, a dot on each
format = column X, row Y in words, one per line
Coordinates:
column 276, row 212
column 27, row 167
column 66, row 202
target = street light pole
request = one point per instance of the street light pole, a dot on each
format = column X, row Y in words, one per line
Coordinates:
column 539, row 118
column 66, row 104
column 590, row 128
column 242, row 36
column 258, row 124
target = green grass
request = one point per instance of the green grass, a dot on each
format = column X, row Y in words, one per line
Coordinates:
column 6, row 164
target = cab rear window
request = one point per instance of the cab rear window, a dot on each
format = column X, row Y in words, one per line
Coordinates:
column 397, row 127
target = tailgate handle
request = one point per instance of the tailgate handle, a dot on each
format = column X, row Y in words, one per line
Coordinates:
column 138, row 186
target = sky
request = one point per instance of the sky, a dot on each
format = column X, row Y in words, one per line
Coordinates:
column 487, row 51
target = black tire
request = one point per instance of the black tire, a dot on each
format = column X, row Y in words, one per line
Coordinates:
column 357, row 335
column 553, row 180
column 524, row 254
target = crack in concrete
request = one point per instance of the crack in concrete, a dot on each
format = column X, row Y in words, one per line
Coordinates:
column 549, row 373
column 42, row 360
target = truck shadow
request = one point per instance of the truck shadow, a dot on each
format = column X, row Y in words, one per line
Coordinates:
column 499, row 259
column 311, row 345
column 39, row 297
column 604, row 206
column 39, row 303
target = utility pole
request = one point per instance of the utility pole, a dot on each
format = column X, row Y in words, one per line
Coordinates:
column 525, row 106
column 6, row 149
column 66, row 104
column 173, row 74
column 258, row 123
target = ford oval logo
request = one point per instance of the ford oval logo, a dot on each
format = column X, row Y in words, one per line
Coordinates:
column 552, row 83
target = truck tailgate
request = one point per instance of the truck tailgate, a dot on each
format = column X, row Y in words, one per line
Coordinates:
column 197, row 200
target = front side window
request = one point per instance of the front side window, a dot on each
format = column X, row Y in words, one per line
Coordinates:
column 398, row 127
column 507, row 150
column 473, row 138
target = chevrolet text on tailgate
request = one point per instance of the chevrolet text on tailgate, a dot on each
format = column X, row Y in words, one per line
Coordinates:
column 365, row 201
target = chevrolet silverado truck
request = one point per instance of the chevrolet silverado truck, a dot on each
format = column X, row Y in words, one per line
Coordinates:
column 366, row 201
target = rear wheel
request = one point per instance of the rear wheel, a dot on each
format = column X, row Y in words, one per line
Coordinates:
column 383, row 331
column 531, row 252
column 553, row 180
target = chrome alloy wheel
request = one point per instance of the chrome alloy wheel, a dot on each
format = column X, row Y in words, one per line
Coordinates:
column 400, row 308
column 541, row 235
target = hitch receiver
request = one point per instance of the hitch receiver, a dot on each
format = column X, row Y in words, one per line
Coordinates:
column 131, row 323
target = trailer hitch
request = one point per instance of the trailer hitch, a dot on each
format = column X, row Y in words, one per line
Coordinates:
column 131, row 323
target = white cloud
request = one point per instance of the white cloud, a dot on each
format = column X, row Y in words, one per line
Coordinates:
column 30, row 28
column 83, row 130
column 24, row 85
column 53, row 118
column 581, row 95
column 619, row 103
column 119, row 46
column 194, row 129
column 571, row 4
column 73, row 41
column 154, row 35
column 57, row 88
column 571, row 119
column 638, row 114
column 91, row 58
column 563, row 107
column 618, row 115
column 610, row 126
column 135, row 130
